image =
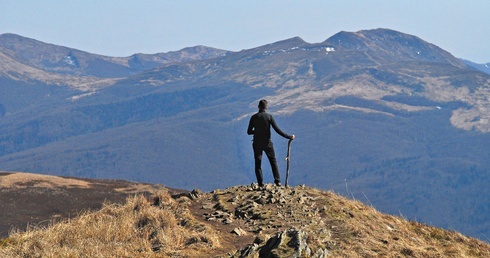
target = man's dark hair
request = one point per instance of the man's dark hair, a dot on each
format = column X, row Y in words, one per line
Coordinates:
column 263, row 104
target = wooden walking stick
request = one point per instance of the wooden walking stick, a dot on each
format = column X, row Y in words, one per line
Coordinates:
column 288, row 159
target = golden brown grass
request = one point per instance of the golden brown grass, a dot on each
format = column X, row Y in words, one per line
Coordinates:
column 23, row 180
column 140, row 228
column 180, row 227
column 361, row 231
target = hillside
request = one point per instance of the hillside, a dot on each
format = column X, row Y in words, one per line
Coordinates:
column 28, row 199
column 241, row 221
column 380, row 115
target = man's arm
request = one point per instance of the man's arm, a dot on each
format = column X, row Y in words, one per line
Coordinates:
column 279, row 131
column 250, row 130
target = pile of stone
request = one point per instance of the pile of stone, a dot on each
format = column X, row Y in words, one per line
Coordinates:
column 288, row 243
column 264, row 212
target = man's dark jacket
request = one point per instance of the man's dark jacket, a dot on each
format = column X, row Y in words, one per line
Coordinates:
column 259, row 126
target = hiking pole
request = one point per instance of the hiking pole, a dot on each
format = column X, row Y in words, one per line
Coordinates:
column 288, row 158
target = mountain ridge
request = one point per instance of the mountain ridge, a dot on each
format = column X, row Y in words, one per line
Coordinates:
column 64, row 60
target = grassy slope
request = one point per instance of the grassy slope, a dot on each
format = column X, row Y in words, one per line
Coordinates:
column 33, row 199
column 200, row 226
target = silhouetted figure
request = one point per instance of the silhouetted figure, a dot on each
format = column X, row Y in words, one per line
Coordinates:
column 260, row 127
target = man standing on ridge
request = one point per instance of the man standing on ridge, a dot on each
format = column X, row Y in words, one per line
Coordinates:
column 260, row 127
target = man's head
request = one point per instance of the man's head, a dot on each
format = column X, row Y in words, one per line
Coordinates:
column 263, row 104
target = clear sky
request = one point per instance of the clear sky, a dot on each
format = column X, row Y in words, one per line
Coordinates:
column 122, row 28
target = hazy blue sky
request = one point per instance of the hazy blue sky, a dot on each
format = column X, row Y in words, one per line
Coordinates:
column 121, row 28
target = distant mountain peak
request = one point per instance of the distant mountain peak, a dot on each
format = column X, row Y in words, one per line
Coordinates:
column 481, row 67
column 11, row 37
column 287, row 43
column 392, row 44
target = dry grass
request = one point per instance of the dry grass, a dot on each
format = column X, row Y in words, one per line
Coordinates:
column 23, row 180
column 177, row 226
column 362, row 231
column 140, row 228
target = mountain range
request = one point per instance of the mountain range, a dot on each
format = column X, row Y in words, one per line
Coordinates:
column 380, row 116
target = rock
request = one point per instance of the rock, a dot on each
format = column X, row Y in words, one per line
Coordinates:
column 249, row 252
column 346, row 211
column 262, row 201
column 269, row 187
column 207, row 206
column 221, row 214
column 289, row 243
column 195, row 194
column 260, row 239
column 156, row 246
column 239, row 231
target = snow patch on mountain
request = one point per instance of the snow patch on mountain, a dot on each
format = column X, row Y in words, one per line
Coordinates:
column 77, row 97
column 71, row 60
column 317, row 49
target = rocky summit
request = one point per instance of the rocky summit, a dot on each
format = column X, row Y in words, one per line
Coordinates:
column 241, row 221
column 306, row 222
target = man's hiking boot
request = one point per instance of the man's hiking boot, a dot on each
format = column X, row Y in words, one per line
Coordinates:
column 256, row 186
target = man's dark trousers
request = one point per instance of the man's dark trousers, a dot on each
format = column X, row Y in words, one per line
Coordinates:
column 268, row 148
